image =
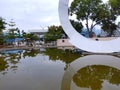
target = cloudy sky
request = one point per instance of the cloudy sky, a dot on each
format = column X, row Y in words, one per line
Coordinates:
column 30, row 14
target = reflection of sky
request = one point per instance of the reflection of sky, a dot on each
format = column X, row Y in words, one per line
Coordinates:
column 34, row 73
column 108, row 86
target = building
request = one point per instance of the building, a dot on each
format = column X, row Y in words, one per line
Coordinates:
column 64, row 44
column 40, row 33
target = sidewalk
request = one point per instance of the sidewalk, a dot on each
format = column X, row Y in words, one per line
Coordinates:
column 24, row 47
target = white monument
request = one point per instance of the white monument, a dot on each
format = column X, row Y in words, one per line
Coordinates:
column 80, row 41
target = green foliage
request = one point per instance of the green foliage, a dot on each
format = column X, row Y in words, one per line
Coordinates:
column 115, row 6
column 2, row 24
column 32, row 37
column 54, row 33
column 31, row 53
column 64, row 55
column 94, row 11
column 109, row 27
column 24, row 34
column 93, row 76
column 29, row 37
column 2, row 27
column 78, row 26
column 12, row 29
column 3, row 64
column 18, row 32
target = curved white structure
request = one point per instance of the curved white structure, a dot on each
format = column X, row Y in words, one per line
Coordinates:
column 82, row 62
column 80, row 41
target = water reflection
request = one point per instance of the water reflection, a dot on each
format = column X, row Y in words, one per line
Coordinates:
column 34, row 69
column 10, row 59
column 94, row 76
column 3, row 65
column 94, row 72
column 31, row 53
column 63, row 55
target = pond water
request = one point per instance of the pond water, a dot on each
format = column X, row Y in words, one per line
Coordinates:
column 55, row 69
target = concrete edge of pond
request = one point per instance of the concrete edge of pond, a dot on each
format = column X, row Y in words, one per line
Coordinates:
column 36, row 48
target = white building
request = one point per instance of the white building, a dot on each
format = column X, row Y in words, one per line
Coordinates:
column 64, row 44
column 40, row 33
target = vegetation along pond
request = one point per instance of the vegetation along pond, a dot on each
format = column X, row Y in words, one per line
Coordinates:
column 50, row 69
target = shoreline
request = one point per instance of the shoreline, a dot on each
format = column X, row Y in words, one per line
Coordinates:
column 24, row 47
column 39, row 47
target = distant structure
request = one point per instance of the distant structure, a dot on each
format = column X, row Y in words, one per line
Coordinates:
column 39, row 32
column 86, row 34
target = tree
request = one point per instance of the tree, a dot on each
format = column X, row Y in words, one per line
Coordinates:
column 30, row 38
column 78, row 26
column 2, row 24
column 12, row 29
column 115, row 6
column 2, row 27
column 18, row 32
column 57, row 32
column 92, row 11
column 13, row 33
column 109, row 24
column 24, row 34
column 54, row 33
column 109, row 27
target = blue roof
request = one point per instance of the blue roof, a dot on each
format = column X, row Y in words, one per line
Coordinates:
column 10, row 40
column 19, row 39
column 85, row 33
column 13, row 40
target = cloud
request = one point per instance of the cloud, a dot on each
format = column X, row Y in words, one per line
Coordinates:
column 30, row 13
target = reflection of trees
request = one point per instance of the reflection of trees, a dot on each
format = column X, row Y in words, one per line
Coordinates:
column 93, row 76
column 9, row 61
column 57, row 54
column 3, row 64
column 64, row 55
column 31, row 53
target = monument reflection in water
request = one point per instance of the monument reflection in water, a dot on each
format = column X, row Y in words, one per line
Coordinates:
column 55, row 69
column 94, row 72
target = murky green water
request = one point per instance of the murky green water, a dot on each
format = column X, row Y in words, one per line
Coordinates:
column 54, row 69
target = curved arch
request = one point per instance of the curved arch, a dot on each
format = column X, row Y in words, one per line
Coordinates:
column 80, row 41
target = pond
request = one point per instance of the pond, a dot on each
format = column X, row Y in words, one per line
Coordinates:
column 55, row 69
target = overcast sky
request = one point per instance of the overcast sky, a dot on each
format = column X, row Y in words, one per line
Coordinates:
column 30, row 14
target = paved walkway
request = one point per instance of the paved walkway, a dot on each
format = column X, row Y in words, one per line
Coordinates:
column 25, row 47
